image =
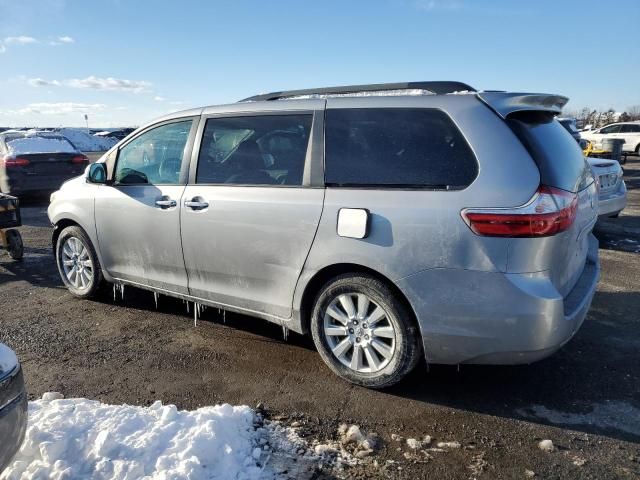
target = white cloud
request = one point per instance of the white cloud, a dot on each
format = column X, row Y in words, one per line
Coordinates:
column 2, row 48
column 62, row 41
column 96, row 83
column 57, row 108
column 177, row 102
column 158, row 98
column 109, row 83
column 20, row 40
column 430, row 5
column 40, row 82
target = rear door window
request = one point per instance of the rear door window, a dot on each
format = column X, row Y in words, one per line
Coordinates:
column 557, row 154
column 260, row 150
column 396, row 148
column 630, row 129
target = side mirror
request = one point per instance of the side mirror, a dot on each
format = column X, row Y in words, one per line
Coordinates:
column 97, row 173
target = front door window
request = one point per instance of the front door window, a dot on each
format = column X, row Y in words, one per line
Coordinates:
column 155, row 157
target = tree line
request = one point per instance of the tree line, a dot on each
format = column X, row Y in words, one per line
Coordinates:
column 599, row 118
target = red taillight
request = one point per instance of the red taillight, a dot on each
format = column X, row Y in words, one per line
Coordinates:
column 78, row 159
column 549, row 212
column 10, row 162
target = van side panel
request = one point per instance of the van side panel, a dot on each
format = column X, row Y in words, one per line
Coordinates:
column 418, row 229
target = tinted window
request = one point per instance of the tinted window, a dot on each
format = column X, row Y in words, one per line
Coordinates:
column 557, row 154
column 611, row 129
column 155, row 157
column 261, row 150
column 630, row 129
column 396, row 147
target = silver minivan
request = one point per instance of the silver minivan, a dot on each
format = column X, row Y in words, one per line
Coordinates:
column 391, row 222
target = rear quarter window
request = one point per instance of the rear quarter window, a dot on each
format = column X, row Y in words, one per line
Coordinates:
column 558, row 156
column 396, row 147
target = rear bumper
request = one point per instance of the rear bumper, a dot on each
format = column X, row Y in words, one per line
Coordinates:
column 496, row 318
column 613, row 202
column 17, row 184
column 13, row 416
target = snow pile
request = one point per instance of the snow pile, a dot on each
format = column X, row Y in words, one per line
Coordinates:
column 79, row 438
column 86, row 142
column 36, row 144
column 365, row 93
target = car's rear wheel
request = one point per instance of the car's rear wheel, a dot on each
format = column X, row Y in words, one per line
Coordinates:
column 363, row 332
column 78, row 263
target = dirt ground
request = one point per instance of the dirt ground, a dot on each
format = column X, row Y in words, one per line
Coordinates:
column 585, row 398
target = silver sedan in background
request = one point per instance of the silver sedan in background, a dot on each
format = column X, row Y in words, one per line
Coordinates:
column 612, row 192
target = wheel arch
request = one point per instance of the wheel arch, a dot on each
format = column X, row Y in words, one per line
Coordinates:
column 67, row 221
column 58, row 227
column 322, row 276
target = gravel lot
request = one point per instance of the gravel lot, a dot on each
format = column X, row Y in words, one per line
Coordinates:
column 586, row 398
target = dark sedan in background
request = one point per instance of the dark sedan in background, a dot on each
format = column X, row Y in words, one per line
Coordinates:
column 37, row 162
column 13, row 406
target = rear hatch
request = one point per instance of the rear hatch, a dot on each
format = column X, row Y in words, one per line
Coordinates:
column 562, row 166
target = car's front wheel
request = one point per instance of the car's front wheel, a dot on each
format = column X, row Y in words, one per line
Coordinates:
column 363, row 332
column 77, row 262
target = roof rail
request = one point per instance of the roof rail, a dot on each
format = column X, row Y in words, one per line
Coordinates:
column 438, row 88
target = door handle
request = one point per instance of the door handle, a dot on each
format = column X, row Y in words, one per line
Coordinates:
column 196, row 203
column 166, row 203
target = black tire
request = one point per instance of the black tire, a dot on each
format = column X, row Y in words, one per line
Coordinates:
column 406, row 337
column 15, row 247
column 93, row 285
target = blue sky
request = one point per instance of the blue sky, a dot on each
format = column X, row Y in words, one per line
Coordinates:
column 125, row 62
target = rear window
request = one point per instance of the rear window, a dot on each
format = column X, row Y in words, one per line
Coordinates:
column 396, row 147
column 557, row 154
column 36, row 144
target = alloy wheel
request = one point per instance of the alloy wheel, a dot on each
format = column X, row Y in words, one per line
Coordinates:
column 359, row 333
column 76, row 263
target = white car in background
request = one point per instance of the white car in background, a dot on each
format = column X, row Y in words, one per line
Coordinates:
column 627, row 131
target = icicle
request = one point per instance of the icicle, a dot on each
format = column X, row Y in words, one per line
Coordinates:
column 187, row 302
column 224, row 316
column 285, row 332
column 118, row 287
column 197, row 310
column 155, row 297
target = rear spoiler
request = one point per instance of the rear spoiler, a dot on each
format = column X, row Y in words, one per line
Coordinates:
column 506, row 103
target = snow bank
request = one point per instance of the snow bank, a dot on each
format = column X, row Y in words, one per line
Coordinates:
column 86, row 142
column 39, row 145
column 79, row 438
